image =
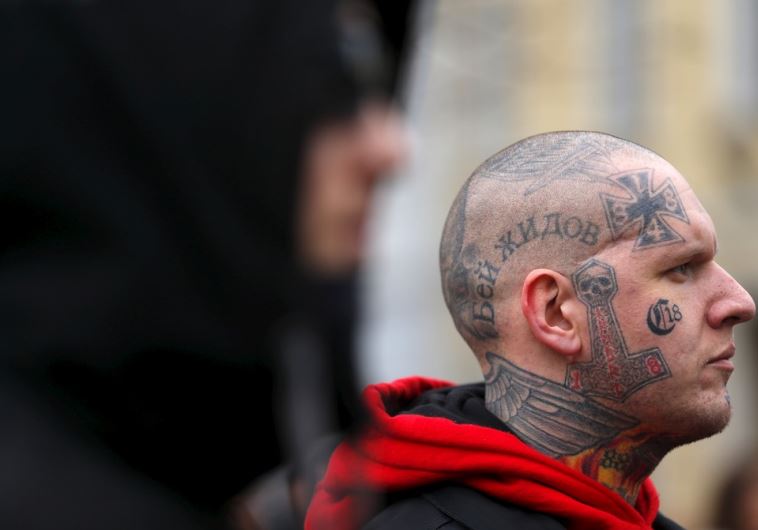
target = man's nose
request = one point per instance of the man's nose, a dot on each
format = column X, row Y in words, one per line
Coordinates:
column 732, row 304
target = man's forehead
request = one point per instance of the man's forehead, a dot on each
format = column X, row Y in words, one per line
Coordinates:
column 701, row 223
column 701, row 232
column 643, row 199
column 662, row 174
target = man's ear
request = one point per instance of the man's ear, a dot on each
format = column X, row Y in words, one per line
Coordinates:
column 551, row 311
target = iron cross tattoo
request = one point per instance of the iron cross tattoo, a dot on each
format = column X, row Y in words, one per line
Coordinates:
column 646, row 207
column 614, row 372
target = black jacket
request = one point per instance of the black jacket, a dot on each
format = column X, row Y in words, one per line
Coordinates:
column 452, row 507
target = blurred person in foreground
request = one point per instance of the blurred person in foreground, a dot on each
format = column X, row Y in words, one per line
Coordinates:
column 343, row 160
column 580, row 270
column 160, row 250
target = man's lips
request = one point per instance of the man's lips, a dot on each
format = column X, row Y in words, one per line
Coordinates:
column 724, row 359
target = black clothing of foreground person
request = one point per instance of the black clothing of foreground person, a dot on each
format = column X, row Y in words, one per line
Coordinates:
column 148, row 162
column 580, row 270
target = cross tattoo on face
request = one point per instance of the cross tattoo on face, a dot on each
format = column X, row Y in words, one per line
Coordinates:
column 646, row 206
column 613, row 372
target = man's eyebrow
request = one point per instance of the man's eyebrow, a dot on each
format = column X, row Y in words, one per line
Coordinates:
column 703, row 251
column 692, row 250
column 703, row 243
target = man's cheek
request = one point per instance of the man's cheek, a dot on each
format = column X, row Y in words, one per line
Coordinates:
column 662, row 316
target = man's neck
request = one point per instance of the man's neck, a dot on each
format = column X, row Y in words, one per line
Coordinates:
column 621, row 465
column 584, row 434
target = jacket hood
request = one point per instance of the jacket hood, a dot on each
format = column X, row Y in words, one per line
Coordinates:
column 406, row 451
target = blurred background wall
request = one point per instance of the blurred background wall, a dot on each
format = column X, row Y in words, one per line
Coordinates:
column 678, row 76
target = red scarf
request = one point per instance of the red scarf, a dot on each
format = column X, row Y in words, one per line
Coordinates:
column 408, row 451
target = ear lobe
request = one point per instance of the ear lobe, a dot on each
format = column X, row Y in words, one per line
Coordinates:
column 548, row 301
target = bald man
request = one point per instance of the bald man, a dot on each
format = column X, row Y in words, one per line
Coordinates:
column 580, row 270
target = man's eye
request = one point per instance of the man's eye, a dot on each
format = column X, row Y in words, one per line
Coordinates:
column 684, row 269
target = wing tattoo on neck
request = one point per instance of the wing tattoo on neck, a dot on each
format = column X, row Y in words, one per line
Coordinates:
column 548, row 416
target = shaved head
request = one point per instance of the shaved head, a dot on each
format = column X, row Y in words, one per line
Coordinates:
column 533, row 204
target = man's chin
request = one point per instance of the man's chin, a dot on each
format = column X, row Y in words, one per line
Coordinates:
column 709, row 420
column 726, row 414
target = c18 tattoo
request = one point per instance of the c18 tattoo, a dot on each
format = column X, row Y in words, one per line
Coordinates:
column 614, row 372
column 661, row 319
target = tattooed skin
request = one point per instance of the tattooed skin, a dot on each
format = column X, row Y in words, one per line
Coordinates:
column 614, row 372
column 662, row 319
column 548, row 416
column 564, row 421
column 612, row 459
column 564, row 159
column 471, row 291
column 551, row 226
column 470, row 269
column 577, row 430
column 624, row 463
column 468, row 282
column 645, row 207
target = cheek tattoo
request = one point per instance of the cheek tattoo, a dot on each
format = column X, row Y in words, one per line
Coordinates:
column 661, row 319
column 615, row 372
